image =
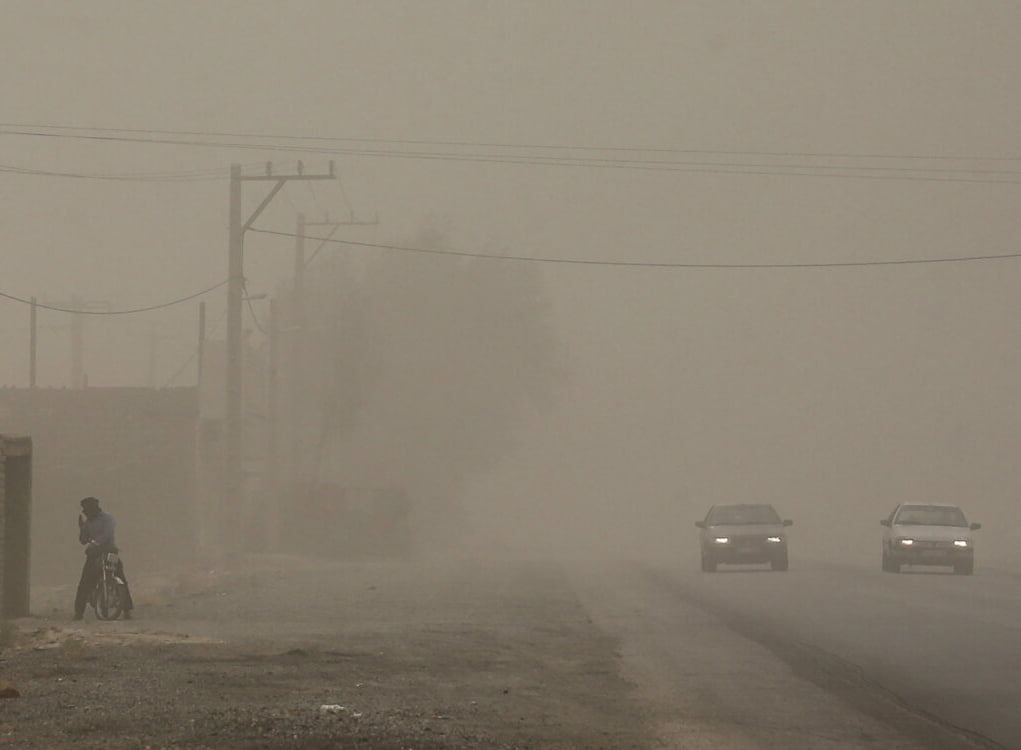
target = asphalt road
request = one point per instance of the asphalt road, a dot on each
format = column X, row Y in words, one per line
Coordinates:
column 946, row 649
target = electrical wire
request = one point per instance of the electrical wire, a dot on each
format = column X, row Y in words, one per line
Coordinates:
column 251, row 309
column 195, row 354
column 640, row 264
column 778, row 170
column 868, row 172
column 315, row 200
column 343, row 195
column 657, row 165
column 130, row 311
column 290, row 200
column 490, row 144
column 190, row 176
column 326, row 239
column 177, row 373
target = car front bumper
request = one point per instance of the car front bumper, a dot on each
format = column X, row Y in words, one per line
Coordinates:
column 751, row 551
column 931, row 553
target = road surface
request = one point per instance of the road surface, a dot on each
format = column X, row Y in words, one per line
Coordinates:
column 945, row 648
column 279, row 652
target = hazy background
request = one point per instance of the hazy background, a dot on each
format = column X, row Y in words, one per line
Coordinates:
column 833, row 393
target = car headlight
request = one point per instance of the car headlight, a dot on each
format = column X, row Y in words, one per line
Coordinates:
column 907, row 542
column 722, row 539
column 774, row 539
column 960, row 542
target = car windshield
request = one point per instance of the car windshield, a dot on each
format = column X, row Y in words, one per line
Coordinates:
column 930, row 515
column 742, row 514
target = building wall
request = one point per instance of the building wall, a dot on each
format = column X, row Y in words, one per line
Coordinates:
column 15, row 524
column 133, row 448
column 3, row 518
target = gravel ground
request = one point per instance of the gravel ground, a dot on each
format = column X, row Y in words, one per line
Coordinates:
column 279, row 652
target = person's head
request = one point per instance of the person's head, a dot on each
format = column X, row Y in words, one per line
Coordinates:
column 90, row 507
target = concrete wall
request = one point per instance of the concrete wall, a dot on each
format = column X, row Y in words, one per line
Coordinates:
column 133, row 448
column 15, row 524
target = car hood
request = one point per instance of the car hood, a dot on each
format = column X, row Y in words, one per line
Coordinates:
column 932, row 533
column 746, row 529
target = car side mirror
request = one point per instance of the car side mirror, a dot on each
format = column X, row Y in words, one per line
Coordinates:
column 700, row 524
column 885, row 522
column 975, row 526
column 788, row 522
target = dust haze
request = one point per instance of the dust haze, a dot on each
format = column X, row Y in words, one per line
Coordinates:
column 525, row 288
column 542, row 408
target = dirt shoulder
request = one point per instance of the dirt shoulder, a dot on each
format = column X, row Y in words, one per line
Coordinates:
column 289, row 653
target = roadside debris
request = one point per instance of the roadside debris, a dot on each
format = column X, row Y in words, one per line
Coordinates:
column 336, row 708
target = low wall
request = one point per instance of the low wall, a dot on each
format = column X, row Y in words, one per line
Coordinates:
column 133, row 448
column 15, row 524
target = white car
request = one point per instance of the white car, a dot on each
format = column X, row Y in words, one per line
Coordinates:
column 928, row 534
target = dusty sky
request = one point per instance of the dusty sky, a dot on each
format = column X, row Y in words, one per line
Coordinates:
column 814, row 389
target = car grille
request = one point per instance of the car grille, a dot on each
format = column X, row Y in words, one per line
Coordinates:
column 933, row 545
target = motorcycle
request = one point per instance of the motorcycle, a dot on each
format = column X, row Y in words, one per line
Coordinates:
column 110, row 595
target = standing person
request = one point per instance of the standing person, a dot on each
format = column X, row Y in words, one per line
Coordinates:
column 95, row 531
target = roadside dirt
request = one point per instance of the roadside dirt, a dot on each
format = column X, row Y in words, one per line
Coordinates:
column 290, row 653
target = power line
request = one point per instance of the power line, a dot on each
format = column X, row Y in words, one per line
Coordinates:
column 838, row 171
column 491, row 144
column 315, row 200
column 717, row 167
column 190, row 176
column 255, row 318
column 774, row 170
column 290, row 200
column 130, row 311
column 322, row 244
column 251, row 308
column 639, row 264
column 179, row 370
column 195, row 353
column 343, row 195
column 658, row 165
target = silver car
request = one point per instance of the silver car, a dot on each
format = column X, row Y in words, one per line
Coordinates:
column 928, row 534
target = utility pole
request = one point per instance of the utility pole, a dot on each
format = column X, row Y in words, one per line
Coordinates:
column 32, row 345
column 300, row 346
column 78, row 309
column 77, row 344
column 201, row 355
column 297, row 374
column 299, row 273
column 234, row 479
column 232, row 431
column 271, row 491
column 299, row 255
column 154, row 339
